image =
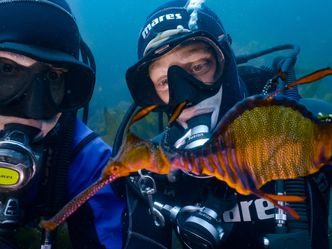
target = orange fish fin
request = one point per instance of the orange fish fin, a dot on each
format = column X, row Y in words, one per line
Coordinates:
column 289, row 210
column 141, row 114
column 287, row 198
column 311, row 77
column 176, row 113
column 274, row 200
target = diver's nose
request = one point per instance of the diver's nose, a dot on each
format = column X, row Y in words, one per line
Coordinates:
column 38, row 101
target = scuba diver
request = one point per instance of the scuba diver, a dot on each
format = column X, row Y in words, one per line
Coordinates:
column 47, row 73
column 185, row 54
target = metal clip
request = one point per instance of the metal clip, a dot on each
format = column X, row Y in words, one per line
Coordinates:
column 147, row 186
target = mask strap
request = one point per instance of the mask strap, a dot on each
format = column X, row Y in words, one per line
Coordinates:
column 87, row 58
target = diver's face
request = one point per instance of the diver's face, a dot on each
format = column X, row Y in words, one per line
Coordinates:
column 12, row 67
column 197, row 58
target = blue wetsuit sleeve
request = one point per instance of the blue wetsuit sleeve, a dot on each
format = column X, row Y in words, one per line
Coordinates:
column 97, row 224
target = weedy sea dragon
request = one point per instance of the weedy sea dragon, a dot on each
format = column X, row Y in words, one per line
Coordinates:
column 260, row 139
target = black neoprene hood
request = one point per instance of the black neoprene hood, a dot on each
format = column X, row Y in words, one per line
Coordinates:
column 170, row 16
column 46, row 30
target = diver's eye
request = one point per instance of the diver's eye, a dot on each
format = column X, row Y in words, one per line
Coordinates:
column 10, row 68
column 162, row 84
column 115, row 169
column 7, row 68
column 54, row 75
column 200, row 68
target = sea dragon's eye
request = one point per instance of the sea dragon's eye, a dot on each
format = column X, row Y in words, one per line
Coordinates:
column 114, row 169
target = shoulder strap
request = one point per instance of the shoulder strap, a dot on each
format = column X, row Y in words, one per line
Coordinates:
column 83, row 143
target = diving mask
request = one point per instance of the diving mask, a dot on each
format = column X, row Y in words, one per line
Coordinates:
column 139, row 78
column 16, row 79
column 36, row 89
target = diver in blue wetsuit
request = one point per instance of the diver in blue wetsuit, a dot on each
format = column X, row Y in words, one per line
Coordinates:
column 47, row 155
column 184, row 53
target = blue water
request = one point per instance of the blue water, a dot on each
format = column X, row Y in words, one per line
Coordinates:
column 111, row 29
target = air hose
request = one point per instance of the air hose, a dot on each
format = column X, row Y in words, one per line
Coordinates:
column 285, row 64
column 292, row 93
column 241, row 59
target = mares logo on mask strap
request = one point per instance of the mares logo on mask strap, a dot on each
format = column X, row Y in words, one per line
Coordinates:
column 158, row 20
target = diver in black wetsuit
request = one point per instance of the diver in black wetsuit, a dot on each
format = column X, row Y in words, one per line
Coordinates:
column 185, row 53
